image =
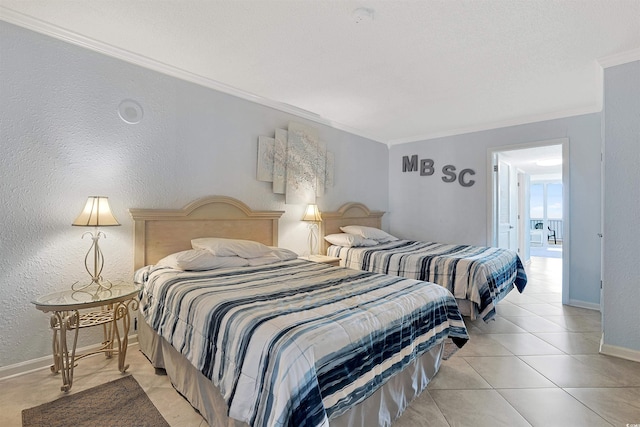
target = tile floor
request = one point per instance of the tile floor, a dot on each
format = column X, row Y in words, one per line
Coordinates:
column 536, row 364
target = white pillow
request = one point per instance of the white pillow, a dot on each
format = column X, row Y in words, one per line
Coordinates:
column 349, row 240
column 283, row 254
column 264, row 260
column 231, row 247
column 369, row 233
column 200, row 259
column 277, row 255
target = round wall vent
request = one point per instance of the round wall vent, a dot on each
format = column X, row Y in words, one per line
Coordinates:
column 130, row 111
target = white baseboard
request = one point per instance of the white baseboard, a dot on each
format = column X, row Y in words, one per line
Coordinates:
column 27, row 366
column 621, row 352
column 584, row 304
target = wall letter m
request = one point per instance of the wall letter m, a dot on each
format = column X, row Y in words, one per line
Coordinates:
column 410, row 165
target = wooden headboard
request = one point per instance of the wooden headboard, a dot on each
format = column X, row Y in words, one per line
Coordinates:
column 160, row 232
column 348, row 214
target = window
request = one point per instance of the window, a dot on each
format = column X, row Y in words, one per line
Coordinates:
column 536, row 201
column 545, row 211
column 545, row 198
column 554, row 201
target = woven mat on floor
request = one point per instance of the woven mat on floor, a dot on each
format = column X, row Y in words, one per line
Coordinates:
column 449, row 349
column 118, row 403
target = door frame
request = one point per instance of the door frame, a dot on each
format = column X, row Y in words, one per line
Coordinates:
column 508, row 177
column 566, row 191
column 524, row 239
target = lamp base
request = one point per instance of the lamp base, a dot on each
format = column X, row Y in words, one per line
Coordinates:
column 101, row 285
column 98, row 264
column 94, row 288
column 313, row 238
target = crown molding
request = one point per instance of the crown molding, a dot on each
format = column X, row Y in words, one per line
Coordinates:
column 499, row 124
column 620, row 58
column 65, row 35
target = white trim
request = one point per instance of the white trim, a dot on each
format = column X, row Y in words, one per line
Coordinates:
column 504, row 123
column 583, row 304
column 32, row 365
column 600, row 87
column 566, row 185
column 621, row 352
column 54, row 31
column 620, row 58
column 566, row 213
column 491, row 190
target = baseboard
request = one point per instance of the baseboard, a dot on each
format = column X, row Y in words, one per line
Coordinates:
column 584, row 304
column 621, row 352
column 32, row 365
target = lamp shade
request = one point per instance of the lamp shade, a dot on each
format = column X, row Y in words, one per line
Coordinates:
column 96, row 213
column 312, row 214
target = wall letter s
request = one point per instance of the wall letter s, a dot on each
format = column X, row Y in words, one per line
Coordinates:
column 448, row 170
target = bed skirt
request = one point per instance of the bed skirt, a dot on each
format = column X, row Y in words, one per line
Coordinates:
column 470, row 310
column 379, row 409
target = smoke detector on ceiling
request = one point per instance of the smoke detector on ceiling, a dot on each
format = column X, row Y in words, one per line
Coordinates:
column 362, row 14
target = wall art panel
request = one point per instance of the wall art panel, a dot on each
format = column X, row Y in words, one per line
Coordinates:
column 280, row 161
column 296, row 163
column 265, row 158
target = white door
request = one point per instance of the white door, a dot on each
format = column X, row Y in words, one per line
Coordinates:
column 507, row 202
column 524, row 235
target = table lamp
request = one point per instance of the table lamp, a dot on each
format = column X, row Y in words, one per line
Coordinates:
column 312, row 216
column 96, row 213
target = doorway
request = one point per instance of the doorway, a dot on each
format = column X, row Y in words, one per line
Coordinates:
column 520, row 223
column 546, row 221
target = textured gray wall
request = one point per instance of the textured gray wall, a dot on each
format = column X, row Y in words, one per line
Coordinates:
column 430, row 209
column 621, row 289
column 62, row 140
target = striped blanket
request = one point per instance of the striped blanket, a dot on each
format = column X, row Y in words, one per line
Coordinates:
column 297, row 343
column 481, row 275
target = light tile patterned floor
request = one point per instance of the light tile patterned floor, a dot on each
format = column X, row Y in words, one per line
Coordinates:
column 537, row 364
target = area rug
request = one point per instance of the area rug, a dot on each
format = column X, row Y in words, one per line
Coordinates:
column 119, row 403
column 450, row 349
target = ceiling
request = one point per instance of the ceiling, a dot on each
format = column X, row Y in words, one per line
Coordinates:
column 399, row 71
column 542, row 163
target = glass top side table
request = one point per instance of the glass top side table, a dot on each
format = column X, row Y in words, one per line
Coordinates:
column 109, row 308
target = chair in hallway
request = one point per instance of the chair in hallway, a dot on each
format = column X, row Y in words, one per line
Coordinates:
column 536, row 234
column 552, row 234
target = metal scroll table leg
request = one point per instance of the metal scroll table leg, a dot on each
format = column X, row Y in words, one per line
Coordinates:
column 121, row 312
column 108, row 332
column 57, row 364
column 61, row 322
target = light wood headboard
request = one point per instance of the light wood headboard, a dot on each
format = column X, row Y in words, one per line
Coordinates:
column 348, row 214
column 160, row 232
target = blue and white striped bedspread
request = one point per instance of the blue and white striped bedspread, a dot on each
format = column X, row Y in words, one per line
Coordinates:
column 297, row 343
column 482, row 275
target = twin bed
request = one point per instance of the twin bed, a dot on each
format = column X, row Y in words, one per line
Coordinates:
column 274, row 340
column 479, row 277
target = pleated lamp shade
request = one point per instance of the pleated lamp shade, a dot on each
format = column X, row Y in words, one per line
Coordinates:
column 96, row 213
column 312, row 214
